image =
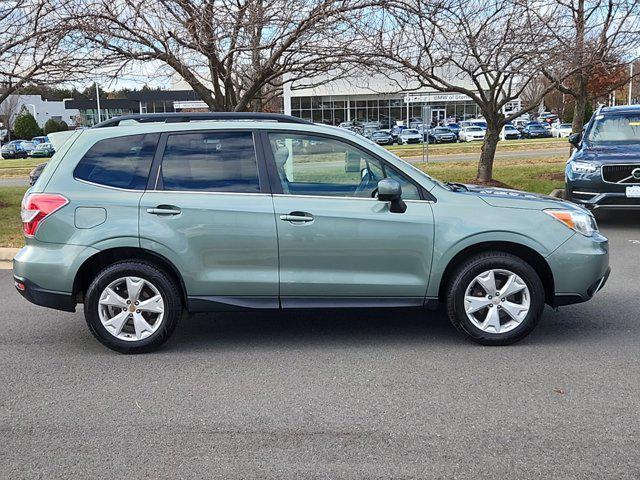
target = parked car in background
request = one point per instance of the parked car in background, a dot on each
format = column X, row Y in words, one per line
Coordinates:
column 43, row 150
column 441, row 135
column 142, row 223
column 520, row 123
column 536, row 130
column 395, row 133
column 410, row 135
column 455, row 128
column 561, row 130
column 382, row 137
column 27, row 147
column 34, row 174
column 471, row 133
column 604, row 169
column 41, row 139
column 13, row 149
column 509, row 132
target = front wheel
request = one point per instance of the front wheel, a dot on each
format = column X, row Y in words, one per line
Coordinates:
column 132, row 307
column 495, row 298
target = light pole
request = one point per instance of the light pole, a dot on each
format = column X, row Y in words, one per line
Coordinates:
column 98, row 102
column 630, row 81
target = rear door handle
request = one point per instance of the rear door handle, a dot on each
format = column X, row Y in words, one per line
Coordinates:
column 297, row 217
column 164, row 210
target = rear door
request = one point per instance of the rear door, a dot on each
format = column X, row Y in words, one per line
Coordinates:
column 338, row 244
column 208, row 210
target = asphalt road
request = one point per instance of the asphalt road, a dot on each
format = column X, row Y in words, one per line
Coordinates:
column 329, row 395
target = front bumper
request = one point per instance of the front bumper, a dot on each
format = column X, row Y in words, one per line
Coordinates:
column 592, row 192
column 580, row 268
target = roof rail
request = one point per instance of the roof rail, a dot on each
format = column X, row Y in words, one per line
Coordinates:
column 198, row 116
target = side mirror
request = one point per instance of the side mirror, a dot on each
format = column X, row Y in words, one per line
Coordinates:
column 389, row 190
column 575, row 139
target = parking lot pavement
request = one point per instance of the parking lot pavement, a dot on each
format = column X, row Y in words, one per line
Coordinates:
column 356, row 394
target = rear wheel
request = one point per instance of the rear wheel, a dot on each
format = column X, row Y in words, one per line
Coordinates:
column 132, row 307
column 495, row 298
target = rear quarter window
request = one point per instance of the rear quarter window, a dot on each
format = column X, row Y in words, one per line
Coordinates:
column 122, row 162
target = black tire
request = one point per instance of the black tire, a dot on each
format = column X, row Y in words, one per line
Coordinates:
column 470, row 269
column 165, row 284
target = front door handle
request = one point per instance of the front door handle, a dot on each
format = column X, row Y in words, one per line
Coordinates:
column 297, row 217
column 164, row 210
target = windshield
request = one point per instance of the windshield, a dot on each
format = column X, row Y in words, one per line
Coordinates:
column 443, row 130
column 615, row 129
column 566, row 125
column 411, row 132
column 474, row 129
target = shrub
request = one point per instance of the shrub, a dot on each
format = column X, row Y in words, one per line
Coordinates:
column 26, row 126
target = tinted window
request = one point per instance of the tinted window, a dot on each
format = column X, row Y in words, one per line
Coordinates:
column 311, row 165
column 121, row 162
column 210, row 162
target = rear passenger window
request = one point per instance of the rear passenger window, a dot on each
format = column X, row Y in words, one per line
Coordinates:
column 122, row 162
column 210, row 162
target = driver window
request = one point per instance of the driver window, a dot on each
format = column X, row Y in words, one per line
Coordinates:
column 314, row 165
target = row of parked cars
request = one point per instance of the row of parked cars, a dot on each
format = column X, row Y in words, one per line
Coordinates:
column 462, row 131
column 36, row 147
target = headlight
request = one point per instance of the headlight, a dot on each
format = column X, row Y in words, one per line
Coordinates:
column 581, row 222
column 582, row 167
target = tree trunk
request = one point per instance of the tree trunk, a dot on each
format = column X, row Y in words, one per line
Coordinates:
column 580, row 106
column 488, row 153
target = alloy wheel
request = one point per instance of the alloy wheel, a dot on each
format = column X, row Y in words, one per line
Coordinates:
column 131, row 308
column 497, row 301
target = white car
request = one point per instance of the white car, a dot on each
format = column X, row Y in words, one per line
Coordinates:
column 469, row 134
column 561, row 130
column 509, row 132
column 410, row 135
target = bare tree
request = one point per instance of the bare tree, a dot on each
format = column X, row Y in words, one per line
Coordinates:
column 596, row 37
column 234, row 54
column 36, row 46
column 489, row 50
column 8, row 112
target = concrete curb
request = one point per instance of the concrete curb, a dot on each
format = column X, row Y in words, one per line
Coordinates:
column 7, row 254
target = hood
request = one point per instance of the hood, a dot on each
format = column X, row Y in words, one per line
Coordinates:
column 609, row 153
column 507, row 198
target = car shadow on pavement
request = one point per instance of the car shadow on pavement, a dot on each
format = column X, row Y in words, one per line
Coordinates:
column 314, row 327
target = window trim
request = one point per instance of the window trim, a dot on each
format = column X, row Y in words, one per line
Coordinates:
column 155, row 180
column 274, row 177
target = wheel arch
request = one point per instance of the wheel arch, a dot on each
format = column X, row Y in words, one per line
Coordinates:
column 92, row 265
column 525, row 253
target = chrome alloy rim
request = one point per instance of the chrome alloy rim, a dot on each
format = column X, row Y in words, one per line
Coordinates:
column 497, row 301
column 131, row 308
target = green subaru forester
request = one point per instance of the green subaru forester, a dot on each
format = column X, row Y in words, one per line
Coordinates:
column 145, row 217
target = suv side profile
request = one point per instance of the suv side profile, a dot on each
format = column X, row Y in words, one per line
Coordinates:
column 152, row 217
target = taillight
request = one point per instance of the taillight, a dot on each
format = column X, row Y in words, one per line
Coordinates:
column 38, row 206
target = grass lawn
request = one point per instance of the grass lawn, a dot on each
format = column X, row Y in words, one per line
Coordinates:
column 533, row 176
column 19, row 167
column 408, row 151
column 10, row 225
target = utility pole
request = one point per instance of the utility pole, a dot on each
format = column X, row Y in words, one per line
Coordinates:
column 98, row 102
column 630, row 81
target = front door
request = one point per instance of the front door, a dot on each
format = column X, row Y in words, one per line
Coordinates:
column 211, row 215
column 338, row 244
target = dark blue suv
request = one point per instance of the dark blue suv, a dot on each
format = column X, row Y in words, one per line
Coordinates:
column 604, row 170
